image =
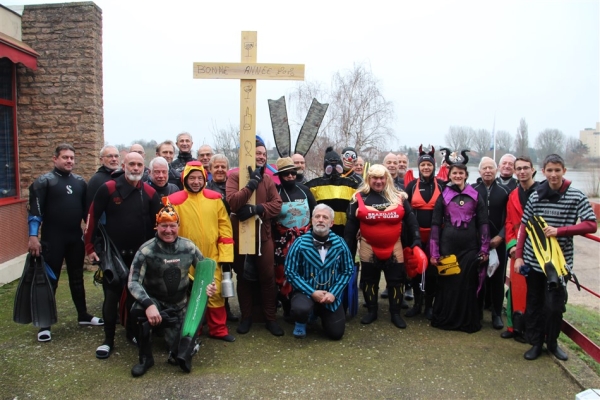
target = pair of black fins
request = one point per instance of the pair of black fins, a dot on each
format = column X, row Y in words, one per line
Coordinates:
column 548, row 253
column 34, row 300
column 281, row 127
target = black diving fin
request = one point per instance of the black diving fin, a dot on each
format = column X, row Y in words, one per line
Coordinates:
column 43, row 304
column 22, row 306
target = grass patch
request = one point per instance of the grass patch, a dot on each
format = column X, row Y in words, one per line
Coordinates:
column 588, row 323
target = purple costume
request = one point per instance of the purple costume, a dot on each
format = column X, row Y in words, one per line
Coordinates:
column 460, row 227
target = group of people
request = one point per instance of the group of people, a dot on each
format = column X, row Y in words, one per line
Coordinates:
column 317, row 241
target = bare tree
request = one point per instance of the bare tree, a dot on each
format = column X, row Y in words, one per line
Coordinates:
column 522, row 139
column 575, row 152
column 481, row 141
column 358, row 114
column 550, row 141
column 459, row 138
column 226, row 141
column 504, row 142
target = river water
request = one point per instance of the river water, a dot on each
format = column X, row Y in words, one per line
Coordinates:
column 582, row 180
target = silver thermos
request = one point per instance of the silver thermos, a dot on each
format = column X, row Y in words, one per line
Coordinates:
column 227, row 287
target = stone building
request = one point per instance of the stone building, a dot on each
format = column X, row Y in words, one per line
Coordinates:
column 50, row 93
column 591, row 138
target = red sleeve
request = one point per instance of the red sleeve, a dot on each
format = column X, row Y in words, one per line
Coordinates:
column 513, row 219
column 521, row 241
column 578, row 229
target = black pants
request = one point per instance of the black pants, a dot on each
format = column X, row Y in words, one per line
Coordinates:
column 543, row 316
column 494, row 286
column 110, row 308
column 58, row 246
column 334, row 322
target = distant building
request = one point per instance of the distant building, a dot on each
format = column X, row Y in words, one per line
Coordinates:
column 591, row 138
column 50, row 93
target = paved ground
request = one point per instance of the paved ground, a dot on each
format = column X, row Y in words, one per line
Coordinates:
column 374, row 361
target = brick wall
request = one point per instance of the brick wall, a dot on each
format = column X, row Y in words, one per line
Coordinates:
column 13, row 235
column 59, row 102
column 62, row 100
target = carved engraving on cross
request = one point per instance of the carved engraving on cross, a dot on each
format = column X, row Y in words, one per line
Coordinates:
column 248, row 71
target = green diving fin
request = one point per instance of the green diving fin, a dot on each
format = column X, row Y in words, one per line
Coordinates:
column 43, row 304
column 203, row 275
column 22, row 306
column 547, row 251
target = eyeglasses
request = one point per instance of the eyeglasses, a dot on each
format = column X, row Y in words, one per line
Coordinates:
column 288, row 173
column 204, row 154
column 525, row 168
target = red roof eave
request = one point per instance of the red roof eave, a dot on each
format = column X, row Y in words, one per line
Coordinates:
column 17, row 51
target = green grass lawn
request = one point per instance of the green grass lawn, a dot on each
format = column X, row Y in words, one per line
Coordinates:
column 588, row 323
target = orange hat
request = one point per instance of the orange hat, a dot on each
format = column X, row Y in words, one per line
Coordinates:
column 167, row 213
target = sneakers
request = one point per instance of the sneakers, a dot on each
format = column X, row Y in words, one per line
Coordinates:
column 300, row 331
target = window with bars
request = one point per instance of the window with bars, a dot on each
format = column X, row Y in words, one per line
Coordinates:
column 9, row 189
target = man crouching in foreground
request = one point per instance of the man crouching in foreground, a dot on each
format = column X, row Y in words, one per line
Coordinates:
column 159, row 281
column 319, row 266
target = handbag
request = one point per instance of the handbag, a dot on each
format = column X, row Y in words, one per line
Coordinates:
column 448, row 265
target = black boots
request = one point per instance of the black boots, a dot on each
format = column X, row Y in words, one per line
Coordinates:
column 144, row 338
column 534, row 352
column 395, row 299
column 416, row 308
column 146, row 362
column 370, row 293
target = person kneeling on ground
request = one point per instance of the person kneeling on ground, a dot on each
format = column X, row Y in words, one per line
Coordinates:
column 319, row 266
column 159, row 281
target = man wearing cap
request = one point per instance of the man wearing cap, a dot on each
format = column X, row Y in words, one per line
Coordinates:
column 184, row 143
column 349, row 158
column 159, row 177
column 292, row 222
column 158, row 281
column 204, row 220
column 255, row 270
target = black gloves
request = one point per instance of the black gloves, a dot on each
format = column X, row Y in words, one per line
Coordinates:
column 256, row 177
column 249, row 210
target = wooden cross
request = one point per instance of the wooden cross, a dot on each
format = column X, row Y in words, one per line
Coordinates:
column 248, row 71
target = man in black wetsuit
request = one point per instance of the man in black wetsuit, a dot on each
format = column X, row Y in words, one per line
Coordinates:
column 130, row 206
column 159, row 177
column 57, row 199
column 184, row 143
column 109, row 157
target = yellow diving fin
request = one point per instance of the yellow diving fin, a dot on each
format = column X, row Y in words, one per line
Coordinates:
column 547, row 251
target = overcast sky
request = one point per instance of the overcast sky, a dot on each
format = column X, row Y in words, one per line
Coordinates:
column 440, row 63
